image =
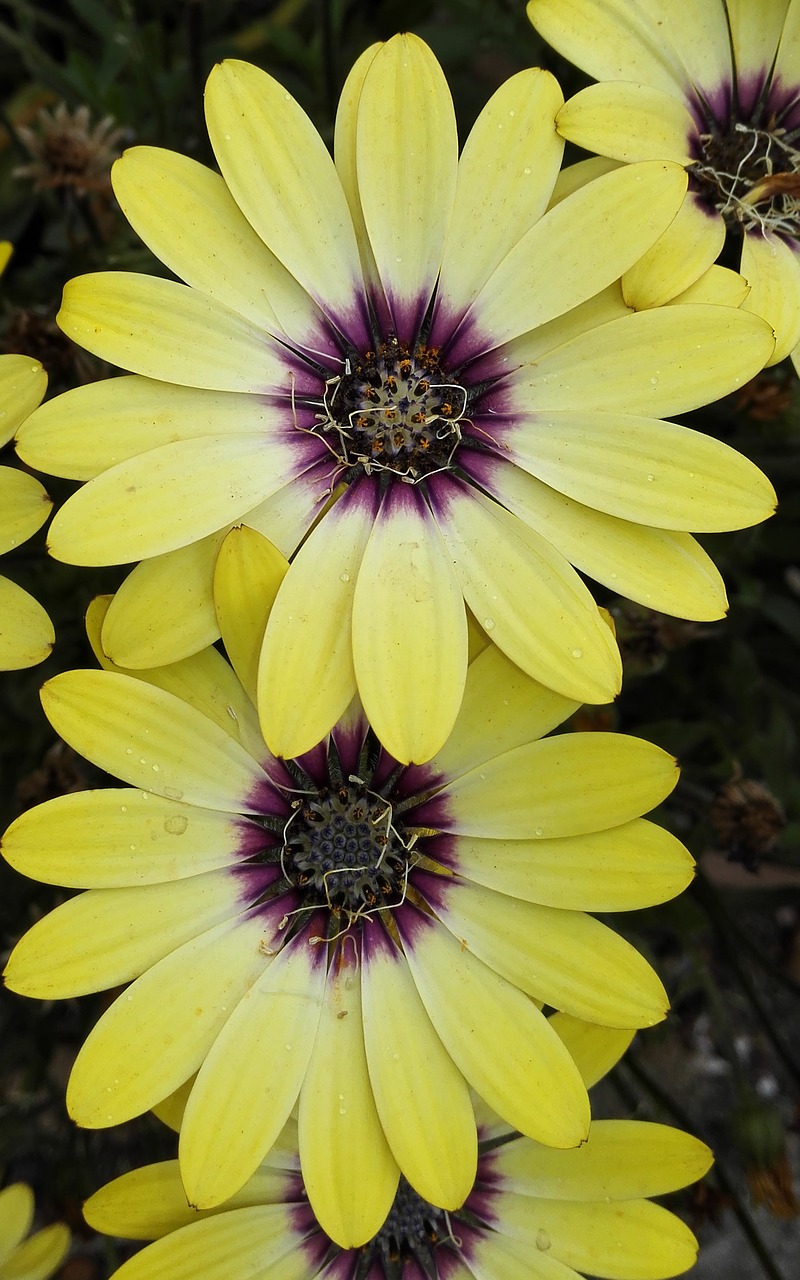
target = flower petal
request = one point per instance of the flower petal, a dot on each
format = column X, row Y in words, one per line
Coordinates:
column 717, row 285
column 627, row 209
column 170, row 332
column 186, row 215
column 172, row 1014
column 496, row 1256
column 151, row 739
column 337, row 1117
column 265, row 1048
column 630, row 122
column 563, row 958
column 248, row 573
column 506, row 176
column 283, row 179
column 632, row 1240
column 595, row 1049
column 620, row 1160
column 92, row 428
column 40, row 1255
column 610, row 39
column 125, row 837
column 106, row 936
column 772, row 269
column 642, row 469
column 658, row 362
column 621, row 869
column 305, row 688
column 23, row 383
column 405, row 116
column 16, row 1216
column 422, row 1098
column 26, row 632
column 659, row 568
column 498, row 1039
column 502, row 708
column 689, row 246
column 533, row 790
column 25, row 507
column 164, row 609
column 409, row 630
column 166, row 498
column 527, row 597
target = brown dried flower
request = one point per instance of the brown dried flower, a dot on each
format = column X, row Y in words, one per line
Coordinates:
column 67, row 152
column 747, row 819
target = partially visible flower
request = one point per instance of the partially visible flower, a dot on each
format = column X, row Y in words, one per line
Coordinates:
column 340, row 929
column 6, row 250
column 748, row 820
column 530, row 1212
column 26, row 632
column 376, row 340
column 715, row 86
column 68, row 152
column 36, row 1257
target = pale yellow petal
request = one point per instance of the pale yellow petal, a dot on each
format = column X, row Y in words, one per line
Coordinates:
column 168, row 331
column 24, row 507
column 629, row 122
column 26, row 632
column 344, row 153
column 718, row 285
column 23, row 383
column 16, row 1216
column 40, row 1255
column 255, row 1243
column 247, row 575
column 689, row 247
column 409, row 630
column 422, row 1098
column 772, row 269
column 595, row 1049
column 337, row 1118
column 306, row 678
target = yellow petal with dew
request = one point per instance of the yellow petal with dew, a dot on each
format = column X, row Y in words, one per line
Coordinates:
column 344, row 153
column 717, row 285
column 627, row 210
column 502, row 708
column 610, row 39
column 265, row 1047
column 660, row 568
column 600, row 309
column 168, row 331
column 125, row 837
column 23, row 383
column 658, row 362
column 643, row 469
column 170, row 1018
column 150, row 1202
column 621, row 869
column 629, row 1240
column 498, row 1039
column 204, row 681
column 16, row 1216
column 89, row 429
column 525, row 595
column 594, row 1049
column 563, row 958
column 185, row 213
column 699, row 35
column 689, row 246
column 772, row 269
column 495, row 1256
column 107, row 936
column 151, row 739
column 282, row 177
column 250, row 1243
column 164, row 609
column 620, row 1160
column 167, row 498
column 247, row 575
column 303, row 688
column 26, row 632
column 40, row 1255
column 405, row 112
column 409, row 630
column 506, row 175
column 422, row 1098
column 534, row 791
column 24, row 507
column 630, row 122
column 337, row 1117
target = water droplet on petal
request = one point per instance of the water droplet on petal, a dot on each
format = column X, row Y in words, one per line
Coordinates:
column 542, row 1240
column 344, row 577
column 651, row 476
column 488, row 624
column 538, row 831
column 577, row 653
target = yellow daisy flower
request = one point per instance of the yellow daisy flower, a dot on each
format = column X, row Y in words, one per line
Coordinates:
column 530, row 1211
column 26, row 632
column 358, row 329
column 367, row 937
column 715, row 86
column 36, row 1257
